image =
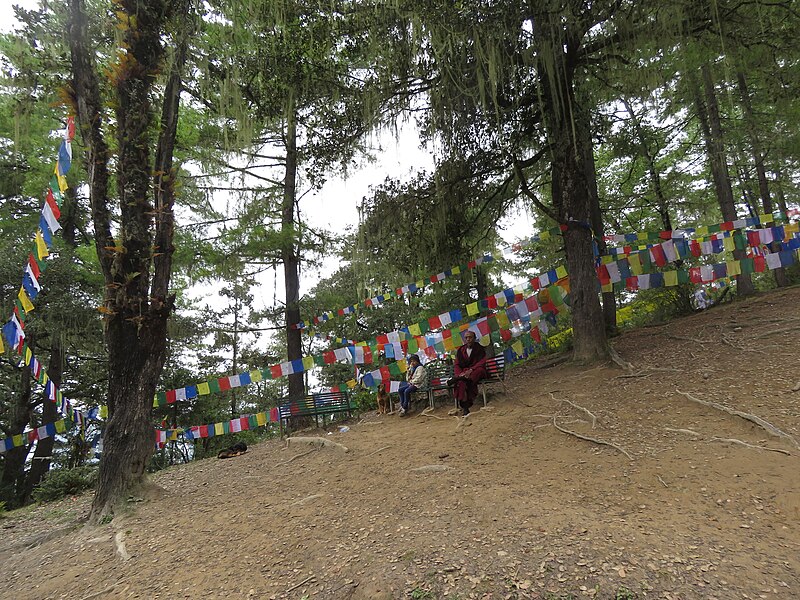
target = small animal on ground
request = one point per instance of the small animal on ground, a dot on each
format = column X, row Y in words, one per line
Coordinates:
column 383, row 400
column 235, row 450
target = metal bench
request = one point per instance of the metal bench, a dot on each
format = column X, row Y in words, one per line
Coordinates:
column 314, row 405
column 439, row 372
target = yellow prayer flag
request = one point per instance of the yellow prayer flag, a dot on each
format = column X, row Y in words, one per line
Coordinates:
column 545, row 235
column 103, row 411
column 402, row 365
column 173, row 435
column 261, row 419
column 728, row 245
column 517, row 347
column 502, row 320
column 218, row 429
column 2, row 347
column 255, row 376
column 60, row 426
column 701, row 230
column 670, row 278
column 472, row 309
column 635, row 263
column 41, row 246
column 308, row 362
column 45, row 378
column 766, row 218
column 351, row 383
column 607, row 258
column 734, row 267
column 608, row 287
column 28, row 355
column 561, row 272
column 485, row 341
column 420, row 284
column 414, row 330
column 202, row 389
column 24, row 300
column 502, row 300
column 155, row 401
column 642, row 235
column 17, row 440
column 448, row 344
column 455, row 270
column 791, row 228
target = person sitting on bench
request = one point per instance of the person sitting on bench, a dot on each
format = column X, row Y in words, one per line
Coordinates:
column 416, row 378
column 470, row 368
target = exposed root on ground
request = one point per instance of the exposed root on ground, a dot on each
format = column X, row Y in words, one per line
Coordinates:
column 590, row 439
column 307, row 499
column 686, row 431
column 315, row 441
column 296, row 456
column 577, row 406
column 776, row 331
column 626, row 366
column 745, row 444
column 765, row 425
column 378, row 450
column 119, row 541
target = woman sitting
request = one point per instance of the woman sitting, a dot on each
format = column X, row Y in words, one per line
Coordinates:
column 416, row 378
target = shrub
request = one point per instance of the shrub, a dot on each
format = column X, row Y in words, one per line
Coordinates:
column 59, row 483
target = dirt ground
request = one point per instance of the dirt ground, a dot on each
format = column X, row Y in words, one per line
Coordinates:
column 500, row 505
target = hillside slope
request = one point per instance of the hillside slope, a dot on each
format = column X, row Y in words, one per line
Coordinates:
column 514, row 507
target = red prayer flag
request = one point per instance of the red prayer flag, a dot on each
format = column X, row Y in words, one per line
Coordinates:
column 759, row 263
column 695, row 276
column 276, row 371
column 435, row 322
column 632, row 283
column 657, row 253
column 245, row 423
column 536, row 334
column 665, row 235
column 726, row 226
column 171, row 397
column 203, row 431
column 694, row 247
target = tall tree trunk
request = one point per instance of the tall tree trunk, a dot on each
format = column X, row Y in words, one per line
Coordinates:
column 291, row 263
column 20, row 415
column 137, row 265
column 708, row 115
column 758, row 160
column 568, row 134
column 609, row 299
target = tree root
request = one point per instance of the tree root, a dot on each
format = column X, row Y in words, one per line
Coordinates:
column 294, row 587
column 577, row 406
column 119, row 541
column 776, row 331
column 295, row 457
column 681, row 338
column 686, row 431
column 432, row 468
column 307, row 499
column 316, row 441
column 765, row 425
column 661, row 480
column 746, row 445
column 378, row 450
column 626, row 366
column 590, row 439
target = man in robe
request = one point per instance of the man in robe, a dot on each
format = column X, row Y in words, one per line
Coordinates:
column 470, row 368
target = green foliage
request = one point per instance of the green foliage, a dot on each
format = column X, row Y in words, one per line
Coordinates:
column 59, row 483
column 2, row 510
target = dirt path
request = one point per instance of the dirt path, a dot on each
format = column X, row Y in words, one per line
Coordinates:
column 507, row 506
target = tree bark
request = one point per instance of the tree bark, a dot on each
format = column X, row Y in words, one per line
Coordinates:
column 708, row 114
column 291, row 263
column 761, row 172
column 609, row 299
column 137, row 265
column 567, row 130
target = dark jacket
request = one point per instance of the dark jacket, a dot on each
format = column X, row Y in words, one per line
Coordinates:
column 476, row 359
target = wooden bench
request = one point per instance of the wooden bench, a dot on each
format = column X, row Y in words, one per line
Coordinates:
column 314, row 405
column 495, row 373
column 439, row 372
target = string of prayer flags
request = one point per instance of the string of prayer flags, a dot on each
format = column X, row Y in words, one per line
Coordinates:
column 436, row 278
column 701, row 230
